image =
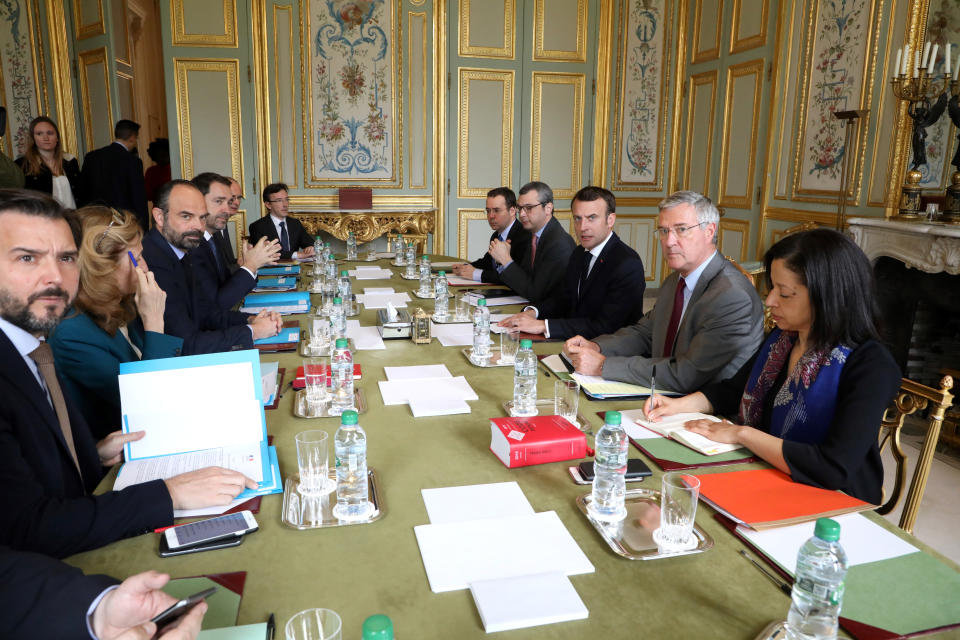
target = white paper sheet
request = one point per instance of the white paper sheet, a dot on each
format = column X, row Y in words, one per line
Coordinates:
column 527, row 601
column 243, row 458
column 377, row 290
column 400, row 391
column 371, row 274
column 379, row 301
column 417, row 371
column 457, row 553
column 475, row 502
column 208, row 511
column 364, row 338
column 863, row 540
column 453, row 335
column 268, row 380
column 458, row 281
column 427, row 404
column 443, row 265
column 633, row 429
column 502, row 300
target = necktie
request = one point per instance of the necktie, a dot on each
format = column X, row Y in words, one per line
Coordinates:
column 216, row 258
column 584, row 271
column 284, row 238
column 43, row 356
column 533, row 249
column 674, row 319
column 225, row 247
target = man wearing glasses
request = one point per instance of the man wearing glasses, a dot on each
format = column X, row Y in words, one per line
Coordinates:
column 502, row 216
column 707, row 321
column 295, row 242
column 540, row 274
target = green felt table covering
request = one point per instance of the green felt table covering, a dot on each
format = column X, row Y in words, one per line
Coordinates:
column 362, row 570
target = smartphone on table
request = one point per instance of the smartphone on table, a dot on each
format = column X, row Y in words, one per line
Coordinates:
column 637, row 470
column 226, row 527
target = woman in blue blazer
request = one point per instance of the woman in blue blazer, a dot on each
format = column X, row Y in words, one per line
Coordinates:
column 117, row 317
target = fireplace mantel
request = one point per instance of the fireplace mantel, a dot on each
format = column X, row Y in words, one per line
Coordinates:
column 929, row 247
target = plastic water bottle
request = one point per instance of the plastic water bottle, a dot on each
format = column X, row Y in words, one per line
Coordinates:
column 341, row 369
column 351, row 246
column 377, row 627
column 818, row 587
column 338, row 318
column 525, row 381
column 610, row 468
column 330, row 267
column 441, row 297
column 411, row 257
column 481, row 333
column 350, row 453
column 344, row 289
column 424, row 275
column 317, row 247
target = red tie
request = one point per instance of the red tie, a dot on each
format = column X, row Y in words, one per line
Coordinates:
column 533, row 249
column 674, row 320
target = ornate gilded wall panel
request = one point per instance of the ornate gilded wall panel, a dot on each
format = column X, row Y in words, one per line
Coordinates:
column 740, row 145
column 62, row 85
column 733, row 238
column 486, row 106
column 749, row 25
column 283, row 96
column 95, row 96
column 700, row 118
column 707, row 20
column 637, row 231
column 417, row 92
column 201, row 23
column 881, row 159
column 481, row 24
column 556, row 147
column 19, row 79
column 88, row 18
column 556, row 27
column 210, row 129
column 642, row 96
column 239, row 223
column 786, row 115
column 473, row 233
column 118, row 28
column 125, row 107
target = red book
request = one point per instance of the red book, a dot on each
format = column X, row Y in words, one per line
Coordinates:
column 521, row 442
column 300, row 382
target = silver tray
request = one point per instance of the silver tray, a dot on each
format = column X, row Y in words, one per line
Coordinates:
column 404, row 276
column 429, row 296
column 302, row 513
column 547, row 410
column 305, row 351
column 632, row 538
column 300, row 404
column 452, row 319
column 494, row 360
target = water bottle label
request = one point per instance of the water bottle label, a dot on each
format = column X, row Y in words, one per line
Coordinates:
column 824, row 592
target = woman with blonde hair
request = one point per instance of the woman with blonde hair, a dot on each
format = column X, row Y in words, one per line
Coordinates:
column 46, row 167
column 116, row 317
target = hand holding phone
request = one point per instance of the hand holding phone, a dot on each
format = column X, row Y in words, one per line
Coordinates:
column 177, row 610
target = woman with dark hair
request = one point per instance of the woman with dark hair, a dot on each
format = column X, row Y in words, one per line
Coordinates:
column 46, row 167
column 116, row 317
column 159, row 174
column 811, row 399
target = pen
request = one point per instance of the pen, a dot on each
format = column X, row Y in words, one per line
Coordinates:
column 653, row 381
column 783, row 586
column 132, row 259
column 271, row 627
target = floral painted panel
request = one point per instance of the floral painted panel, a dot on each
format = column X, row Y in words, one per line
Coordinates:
column 836, row 83
column 943, row 26
column 641, row 90
column 19, row 89
column 352, row 90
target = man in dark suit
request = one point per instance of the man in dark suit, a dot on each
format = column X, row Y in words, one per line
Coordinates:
column 707, row 321
column 33, row 585
column 502, row 215
column 180, row 218
column 210, row 259
column 49, row 461
column 295, row 242
column 113, row 175
column 604, row 281
column 540, row 274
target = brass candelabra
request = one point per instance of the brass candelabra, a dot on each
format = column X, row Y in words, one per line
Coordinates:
column 951, row 204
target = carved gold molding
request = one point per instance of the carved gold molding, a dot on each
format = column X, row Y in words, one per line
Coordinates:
column 126, row 37
column 753, row 41
column 368, row 226
column 744, row 69
column 705, row 55
column 680, row 72
column 787, row 116
column 698, row 80
column 735, row 226
column 281, row 121
column 36, row 57
column 540, row 54
column 784, row 214
column 62, row 79
column 88, row 59
column 604, row 78
column 464, row 216
column 881, row 103
column 466, row 50
column 231, row 67
column 239, row 222
column 388, row 202
column 577, row 81
column 506, row 78
column 261, row 98
column 183, row 39
column 421, row 18
column 440, row 123
column 89, row 29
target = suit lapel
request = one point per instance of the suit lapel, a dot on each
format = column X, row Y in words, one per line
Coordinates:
column 600, row 266
column 709, row 273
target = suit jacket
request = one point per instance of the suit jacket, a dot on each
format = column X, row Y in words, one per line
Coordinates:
column 721, row 328
column 190, row 313
column 43, row 181
column 88, row 359
column 113, row 176
column 610, row 298
column 219, row 284
column 226, row 250
column 519, row 246
column 298, row 236
column 545, row 278
column 46, row 504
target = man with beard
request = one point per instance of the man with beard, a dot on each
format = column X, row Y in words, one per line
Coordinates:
column 49, row 461
column 180, row 217
column 210, row 260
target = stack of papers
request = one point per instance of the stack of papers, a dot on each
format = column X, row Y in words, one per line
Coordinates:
column 364, row 338
column 514, row 561
column 284, row 303
column 430, row 390
column 380, row 300
column 287, row 335
column 366, row 272
column 672, row 427
column 289, row 269
column 458, row 334
column 279, row 283
column 457, row 281
column 269, row 372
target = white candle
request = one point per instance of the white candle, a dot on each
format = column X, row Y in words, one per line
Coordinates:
column 933, row 59
column 896, row 67
column 926, row 54
column 906, row 60
column 947, row 61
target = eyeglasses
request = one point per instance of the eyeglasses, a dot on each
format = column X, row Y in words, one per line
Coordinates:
column 118, row 220
column 279, row 200
column 527, row 208
column 681, row 231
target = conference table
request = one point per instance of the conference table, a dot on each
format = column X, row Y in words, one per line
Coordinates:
column 373, row 568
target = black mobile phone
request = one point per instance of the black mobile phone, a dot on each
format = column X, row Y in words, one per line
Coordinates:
column 637, row 470
column 166, row 552
column 179, row 609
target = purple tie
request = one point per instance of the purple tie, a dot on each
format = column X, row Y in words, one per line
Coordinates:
column 674, row 319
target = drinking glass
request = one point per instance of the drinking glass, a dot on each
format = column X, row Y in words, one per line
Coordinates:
column 315, row 376
column 463, row 307
column 312, row 461
column 509, row 345
column 319, row 333
column 678, row 509
column 566, row 400
column 314, row 624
